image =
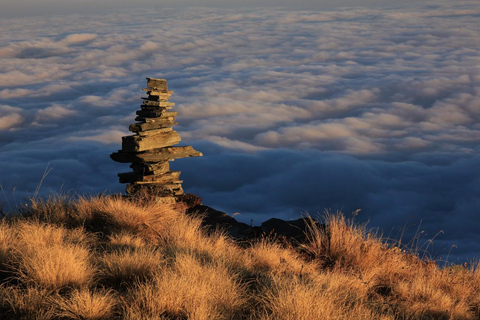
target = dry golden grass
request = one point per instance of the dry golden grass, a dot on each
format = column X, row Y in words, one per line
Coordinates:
column 323, row 296
column 121, row 214
column 124, row 240
column 85, row 304
column 188, row 288
column 123, row 267
column 51, row 256
column 6, row 241
column 57, row 209
column 396, row 282
column 114, row 258
column 273, row 257
column 25, row 303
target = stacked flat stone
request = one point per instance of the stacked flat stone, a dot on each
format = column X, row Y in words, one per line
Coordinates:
column 151, row 148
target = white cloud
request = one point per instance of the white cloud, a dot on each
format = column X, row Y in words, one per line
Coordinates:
column 234, row 144
column 54, row 112
column 10, row 117
column 78, row 38
column 106, row 136
column 395, row 90
column 412, row 143
column 265, row 77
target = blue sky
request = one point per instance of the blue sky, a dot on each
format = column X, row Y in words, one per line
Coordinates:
column 373, row 108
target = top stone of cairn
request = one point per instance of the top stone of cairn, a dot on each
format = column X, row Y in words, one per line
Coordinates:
column 157, row 84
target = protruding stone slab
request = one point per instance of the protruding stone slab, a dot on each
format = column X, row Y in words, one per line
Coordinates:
column 153, row 125
column 159, row 119
column 156, row 155
column 139, row 143
column 173, row 184
column 168, row 177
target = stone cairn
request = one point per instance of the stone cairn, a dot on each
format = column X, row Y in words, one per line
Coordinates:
column 150, row 148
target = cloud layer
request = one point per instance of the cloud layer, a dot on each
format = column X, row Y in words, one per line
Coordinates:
column 295, row 111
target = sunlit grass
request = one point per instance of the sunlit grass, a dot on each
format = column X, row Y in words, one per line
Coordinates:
column 115, row 258
column 126, row 266
column 51, row 256
column 85, row 304
column 188, row 288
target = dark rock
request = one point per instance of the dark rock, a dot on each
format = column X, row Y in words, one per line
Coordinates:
column 292, row 231
column 156, row 113
column 214, row 220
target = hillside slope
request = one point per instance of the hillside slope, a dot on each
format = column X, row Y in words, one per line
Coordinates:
column 112, row 258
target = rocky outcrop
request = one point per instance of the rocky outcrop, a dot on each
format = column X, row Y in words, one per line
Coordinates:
column 151, row 148
column 292, row 230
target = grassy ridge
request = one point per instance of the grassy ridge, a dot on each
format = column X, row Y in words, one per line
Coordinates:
column 104, row 258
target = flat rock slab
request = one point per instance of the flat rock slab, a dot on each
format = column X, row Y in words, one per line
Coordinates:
column 152, row 125
column 140, row 143
column 167, row 178
column 154, row 132
column 146, row 119
column 158, row 104
column 156, row 155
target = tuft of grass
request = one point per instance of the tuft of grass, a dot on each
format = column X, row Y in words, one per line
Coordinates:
column 270, row 255
column 51, row 256
column 56, row 209
column 6, row 241
column 396, row 281
column 126, row 215
column 188, row 289
column 86, row 304
column 125, row 240
column 323, row 296
column 25, row 303
column 124, row 267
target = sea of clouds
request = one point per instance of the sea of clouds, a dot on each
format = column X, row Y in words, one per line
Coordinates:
column 375, row 109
